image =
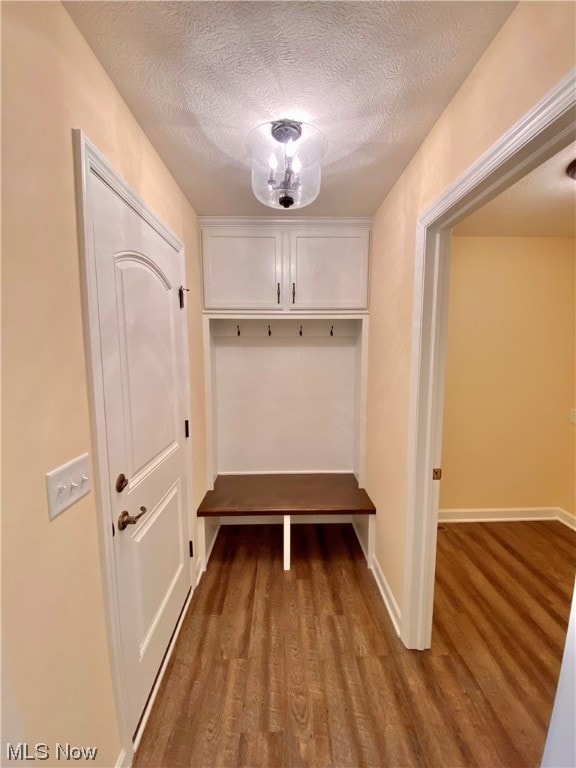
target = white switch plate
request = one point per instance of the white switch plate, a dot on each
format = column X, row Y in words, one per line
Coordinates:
column 572, row 415
column 67, row 484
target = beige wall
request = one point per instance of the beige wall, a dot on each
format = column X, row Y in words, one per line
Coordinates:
column 54, row 641
column 54, row 638
column 507, row 439
column 532, row 52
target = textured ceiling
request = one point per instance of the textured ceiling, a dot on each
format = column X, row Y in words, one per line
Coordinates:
column 542, row 204
column 374, row 76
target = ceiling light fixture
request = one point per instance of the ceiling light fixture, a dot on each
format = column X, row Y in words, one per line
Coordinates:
column 285, row 159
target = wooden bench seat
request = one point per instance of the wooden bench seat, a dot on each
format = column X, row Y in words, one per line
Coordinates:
column 287, row 496
column 299, row 494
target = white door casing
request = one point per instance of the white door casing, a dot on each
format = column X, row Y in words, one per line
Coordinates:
column 136, row 329
column 542, row 132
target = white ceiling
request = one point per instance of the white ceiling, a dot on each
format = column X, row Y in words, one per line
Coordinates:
column 374, row 76
column 542, row 204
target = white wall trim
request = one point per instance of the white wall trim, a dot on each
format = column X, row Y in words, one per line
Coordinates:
column 510, row 158
column 566, row 518
column 387, row 596
column 359, row 537
column 98, row 164
column 504, row 514
column 234, row 314
column 278, row 519
column 199, row 570
column 211, row 547
column 88, row 160
column 319, row 519
column 291, row 472
column 366, row 539
column 536, row 137
column 292, row 221
column 161, row 671
column 122, row 761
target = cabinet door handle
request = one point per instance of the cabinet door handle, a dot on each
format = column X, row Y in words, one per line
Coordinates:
column 278, row 292
column 293, row 293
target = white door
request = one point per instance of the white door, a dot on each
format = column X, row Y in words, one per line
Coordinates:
column 144, row 368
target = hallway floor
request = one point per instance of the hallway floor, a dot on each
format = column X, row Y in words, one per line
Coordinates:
column 277, row 669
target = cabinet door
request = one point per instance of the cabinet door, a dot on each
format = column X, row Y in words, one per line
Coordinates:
column 242, row 268
column 329, row 268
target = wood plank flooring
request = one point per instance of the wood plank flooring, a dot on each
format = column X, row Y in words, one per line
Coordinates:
column 278, row 668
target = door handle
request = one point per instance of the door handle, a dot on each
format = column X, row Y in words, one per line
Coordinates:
column 293, row 293
column 126, row 519
column 121, row 482
column 278, row 292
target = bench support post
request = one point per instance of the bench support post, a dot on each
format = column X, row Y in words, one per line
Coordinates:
column 286, row 542
column 371, row 539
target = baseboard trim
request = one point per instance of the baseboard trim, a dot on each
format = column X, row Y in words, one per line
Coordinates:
column 503, row 515
column 209, row 552
column 362, row 547
column 566, row 518
column 288, row 472
column 161, row 671
column 387, row 596
column 199, row 570
column 123, row 761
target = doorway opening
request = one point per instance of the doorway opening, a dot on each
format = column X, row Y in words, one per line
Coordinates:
column 543, row 132
column 507, row 441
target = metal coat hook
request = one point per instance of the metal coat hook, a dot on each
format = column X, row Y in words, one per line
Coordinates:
column 331, row 330
column 238, row 330
column 300, row 330
column 269, row 331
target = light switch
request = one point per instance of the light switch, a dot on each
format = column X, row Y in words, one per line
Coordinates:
column 572, row 415
column 67, row 484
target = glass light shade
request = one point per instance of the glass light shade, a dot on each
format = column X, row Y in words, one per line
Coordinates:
column 285, row 159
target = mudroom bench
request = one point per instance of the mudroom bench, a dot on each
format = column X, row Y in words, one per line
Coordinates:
column 288, row 496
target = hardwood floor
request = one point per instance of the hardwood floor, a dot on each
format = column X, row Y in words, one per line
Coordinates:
column 281, row 668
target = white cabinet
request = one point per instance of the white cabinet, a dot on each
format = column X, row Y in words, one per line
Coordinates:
column 242, row 267
column 328, row 268
column 287, row 266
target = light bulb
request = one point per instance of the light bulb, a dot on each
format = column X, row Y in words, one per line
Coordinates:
column 285, row 159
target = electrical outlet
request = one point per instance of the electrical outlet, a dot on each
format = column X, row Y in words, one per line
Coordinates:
column 67, row 484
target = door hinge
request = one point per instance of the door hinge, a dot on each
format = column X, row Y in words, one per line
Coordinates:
column 186, row 428
column 191, row 548
column 181, row 295
column 436, row 473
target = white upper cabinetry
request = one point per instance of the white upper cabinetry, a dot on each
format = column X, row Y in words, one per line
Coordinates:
column 284, row 267
column 242, row 267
